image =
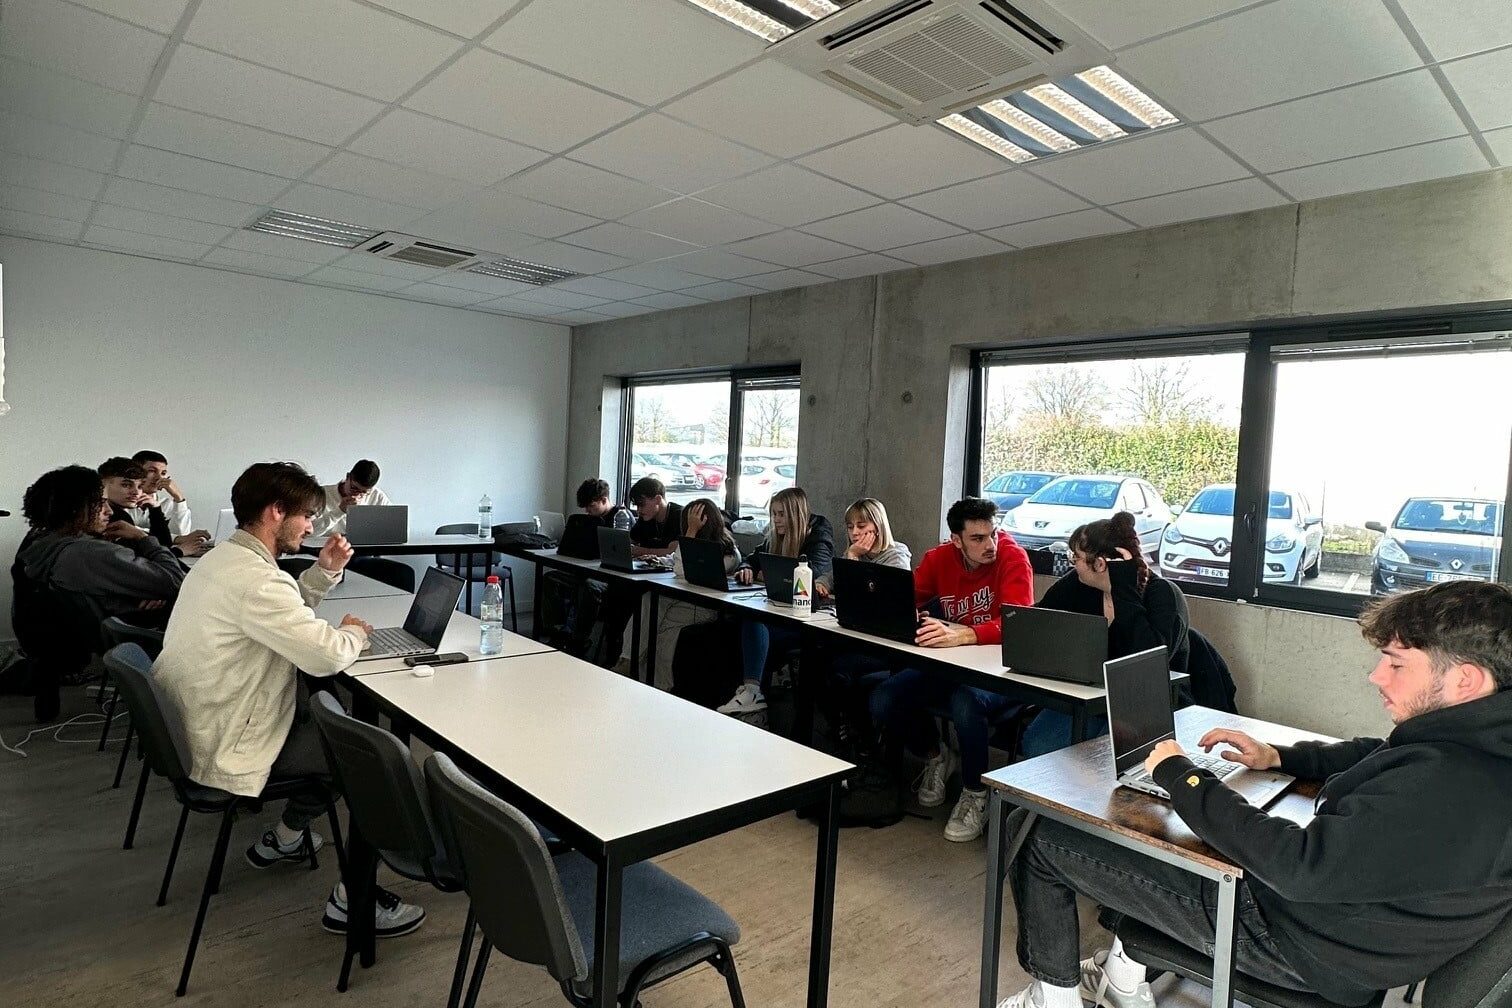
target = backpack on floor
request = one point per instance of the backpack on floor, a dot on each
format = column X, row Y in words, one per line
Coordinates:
column 706, row 662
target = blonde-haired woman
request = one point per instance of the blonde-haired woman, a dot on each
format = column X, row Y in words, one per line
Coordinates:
column 794, row 531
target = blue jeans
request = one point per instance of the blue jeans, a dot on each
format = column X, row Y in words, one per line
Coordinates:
column 901, row 709
column 757, row 641
column 1051, row 730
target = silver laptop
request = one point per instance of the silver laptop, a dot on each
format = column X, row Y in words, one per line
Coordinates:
column 377, row 524
column 1140, row 717
column 426, row 623
column 225, row 524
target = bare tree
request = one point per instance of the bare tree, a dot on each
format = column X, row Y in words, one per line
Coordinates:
column 1160, row 393
column 1067, row 393
column 653, row 421
column 771, row 419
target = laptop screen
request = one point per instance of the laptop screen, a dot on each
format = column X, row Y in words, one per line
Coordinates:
column 1139, row 705
column 433, row 606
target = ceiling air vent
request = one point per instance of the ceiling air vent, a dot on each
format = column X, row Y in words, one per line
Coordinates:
column 921, row 60
column 419, row 252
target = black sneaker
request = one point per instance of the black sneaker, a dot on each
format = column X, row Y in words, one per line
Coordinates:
column 268, row 851
column 392, row 917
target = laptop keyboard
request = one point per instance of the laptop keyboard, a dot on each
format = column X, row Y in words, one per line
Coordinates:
column 392, row 640
column 1215, row 765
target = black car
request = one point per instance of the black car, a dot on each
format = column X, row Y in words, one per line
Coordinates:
column 1435, row 539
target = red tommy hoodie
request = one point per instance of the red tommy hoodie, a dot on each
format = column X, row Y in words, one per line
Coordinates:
column 975, row 598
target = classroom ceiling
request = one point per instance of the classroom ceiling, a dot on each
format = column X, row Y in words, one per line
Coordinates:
column 651, row 148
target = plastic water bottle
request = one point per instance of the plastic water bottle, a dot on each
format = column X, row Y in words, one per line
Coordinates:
column 491, row 638
column 485, row 518
column 803, row 588
column 622, row 520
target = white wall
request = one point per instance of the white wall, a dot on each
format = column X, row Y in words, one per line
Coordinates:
column 107, row 354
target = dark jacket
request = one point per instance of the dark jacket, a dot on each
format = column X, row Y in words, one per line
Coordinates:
column 818, row 546
column 117, row 576
column 157, row 522
column 1407, row 863
column 1141, row 620
column 1212, row 684
column 658, row 535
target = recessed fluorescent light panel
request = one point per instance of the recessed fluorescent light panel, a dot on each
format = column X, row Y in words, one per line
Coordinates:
column 771, row 19
column 316, row 229
column 1066, row 115
column 522, row 271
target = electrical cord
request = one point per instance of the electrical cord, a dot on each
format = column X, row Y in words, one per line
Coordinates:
column 88, row 717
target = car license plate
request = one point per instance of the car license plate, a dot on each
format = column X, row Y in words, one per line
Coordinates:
column 1212, row 572
column 1441, row 576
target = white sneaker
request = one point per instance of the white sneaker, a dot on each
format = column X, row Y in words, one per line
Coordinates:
column 747, row 700
column 391, row 916
column 968, row 818
column 1029, row 997
column 268, row 851
column 1097, row 988
column 930, row 786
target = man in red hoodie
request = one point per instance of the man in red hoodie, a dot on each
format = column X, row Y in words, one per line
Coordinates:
column 967, row 580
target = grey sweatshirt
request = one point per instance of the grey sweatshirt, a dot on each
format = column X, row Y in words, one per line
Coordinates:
column 118, row 576
column 896, row 555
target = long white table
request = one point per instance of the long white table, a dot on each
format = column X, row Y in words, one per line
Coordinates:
column 354, row 585
column 462, row 633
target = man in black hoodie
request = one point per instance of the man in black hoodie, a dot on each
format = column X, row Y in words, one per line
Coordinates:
column 1407, row 863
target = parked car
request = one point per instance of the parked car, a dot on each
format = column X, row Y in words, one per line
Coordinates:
column 1435, row 539
column 1011, row 489
column 1055, row 510
column 709, row 473
column 1197, row 546
column 760, row 478
column 687, row 465
column 672, row 476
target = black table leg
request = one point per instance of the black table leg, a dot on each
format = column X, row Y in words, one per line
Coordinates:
column 537, row 599
column 1001, row 850
column 1079, row 723
column 813, row 663
column 650, row 677
column 467, row 576
column 635, row 632
column 824, row 899
column 606, row 932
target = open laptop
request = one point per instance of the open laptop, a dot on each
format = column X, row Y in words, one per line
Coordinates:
column 377, row 524
column 1140, row 716
column 225, row 524
column 777, row 573
column 876, row 599
column 579, row 538
column 703, row 564
column 426, row 623
column 1055, row 644
column 614, row 554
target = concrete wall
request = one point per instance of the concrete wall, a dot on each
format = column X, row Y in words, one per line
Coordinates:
column 884, row 366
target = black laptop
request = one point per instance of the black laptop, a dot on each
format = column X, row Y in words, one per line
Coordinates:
column 1055, row 644
column 703, row 564
column 614, row 554
column 580, row 538
column 777, row 573
column 876, row 599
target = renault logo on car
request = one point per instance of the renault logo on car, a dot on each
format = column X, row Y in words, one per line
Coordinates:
column 1220, row 547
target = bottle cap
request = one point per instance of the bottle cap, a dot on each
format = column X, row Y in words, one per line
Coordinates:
column 803, row 558
column 492, row 579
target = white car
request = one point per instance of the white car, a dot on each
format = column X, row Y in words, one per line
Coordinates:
column 1197, row 546
column 760, row 478
column 1048, row 517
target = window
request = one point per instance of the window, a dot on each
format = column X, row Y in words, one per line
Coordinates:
column 769, row 443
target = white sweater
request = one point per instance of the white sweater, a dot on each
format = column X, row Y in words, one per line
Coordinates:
column 180, row 521
column 239, row 629
column 331, row 520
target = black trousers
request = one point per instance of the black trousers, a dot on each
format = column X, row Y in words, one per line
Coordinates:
column 302, row 756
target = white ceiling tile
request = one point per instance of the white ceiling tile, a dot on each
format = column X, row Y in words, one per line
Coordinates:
column 169, row 128
column 517, row 102
column 570, row 257
column 461, row 17
column 352, row 278
column 586, row 189
column 966, row 246
column 628, row 241
column 47, row 204
column 695, row 221
column 492, row 286
column 904, row 160
column 1439, row 159
column 350, row 208
column 314, row 39
column 1118, row 24
column 603, row 289
column 1501, row 144
column 882, row 227
column 648, row 50
column 1357, row 120
column 233, row 89
column 158, row 15
column 418, row 141
column 23, row 223
column 666, row 301
column 861, row 265
column 145, row 244
column 788, row 195
column 721, row 265
column 1163, row 161
column 142, row 222
column 284, row 248
column 522, row 214
column 640, row 149
column 180, row 171
column 80, row 42
column 512, row 305
column 66, row 179
column 454, row 296
column 47, row 94
column 389, row 182
column 626, row 309
column 996, row 200
column 366, row 262
column 722, row 290
column 563, row 298
column 178, row 203
column 785, row 279
column 657, row 276
column 779, row 110
column 1269, row 54
column 581, row 317
column 1209, row 201
column 792, row 248
column 37, row 138
column 1460, row 28
column 1066, row 227
column 253, row 262
column 1484, row 84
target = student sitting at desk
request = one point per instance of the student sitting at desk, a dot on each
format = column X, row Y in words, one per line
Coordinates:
column 702, row 519
column 1405, row 865
column 123, row 479
column 658, row 523
column 359, row 487
column 593, row 500
column 970, row 577
column 159, row 490
column 794, row 531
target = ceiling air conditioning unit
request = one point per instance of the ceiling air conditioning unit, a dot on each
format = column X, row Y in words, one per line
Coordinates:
column 921, row 60
column 419, row 252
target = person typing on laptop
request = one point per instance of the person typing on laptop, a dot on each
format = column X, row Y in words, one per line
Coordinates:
column 239, row 635
column 360, row 486
column 1405, row 865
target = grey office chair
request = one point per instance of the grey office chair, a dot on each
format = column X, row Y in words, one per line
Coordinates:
column 540, row 911
column 115, row 631
column 160, row 736
column 476, row 571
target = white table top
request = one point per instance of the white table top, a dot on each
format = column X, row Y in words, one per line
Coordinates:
column 354, row 585
column 417, row 540
column 610, row 754
column 390, row 610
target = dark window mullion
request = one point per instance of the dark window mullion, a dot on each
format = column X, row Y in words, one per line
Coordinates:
column 1252, row 491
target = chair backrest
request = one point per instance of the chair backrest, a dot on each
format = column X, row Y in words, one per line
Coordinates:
column 155, row 720
column 1479, row 977
column 384, row 790
column 553, row 523
column 393, row 573
column 295, row 565
column 117, row 631
column 474, row 566
column 507, row 872
column 1212, row 684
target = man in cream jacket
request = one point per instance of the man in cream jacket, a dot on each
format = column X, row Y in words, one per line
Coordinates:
column 240, row 630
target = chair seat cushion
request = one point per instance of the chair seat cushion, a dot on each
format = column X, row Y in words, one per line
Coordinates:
column 658, row 912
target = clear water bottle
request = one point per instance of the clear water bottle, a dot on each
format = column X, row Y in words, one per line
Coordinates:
column 622, row 520
column 491, row 639
column 485, row 518
column 803, row 589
